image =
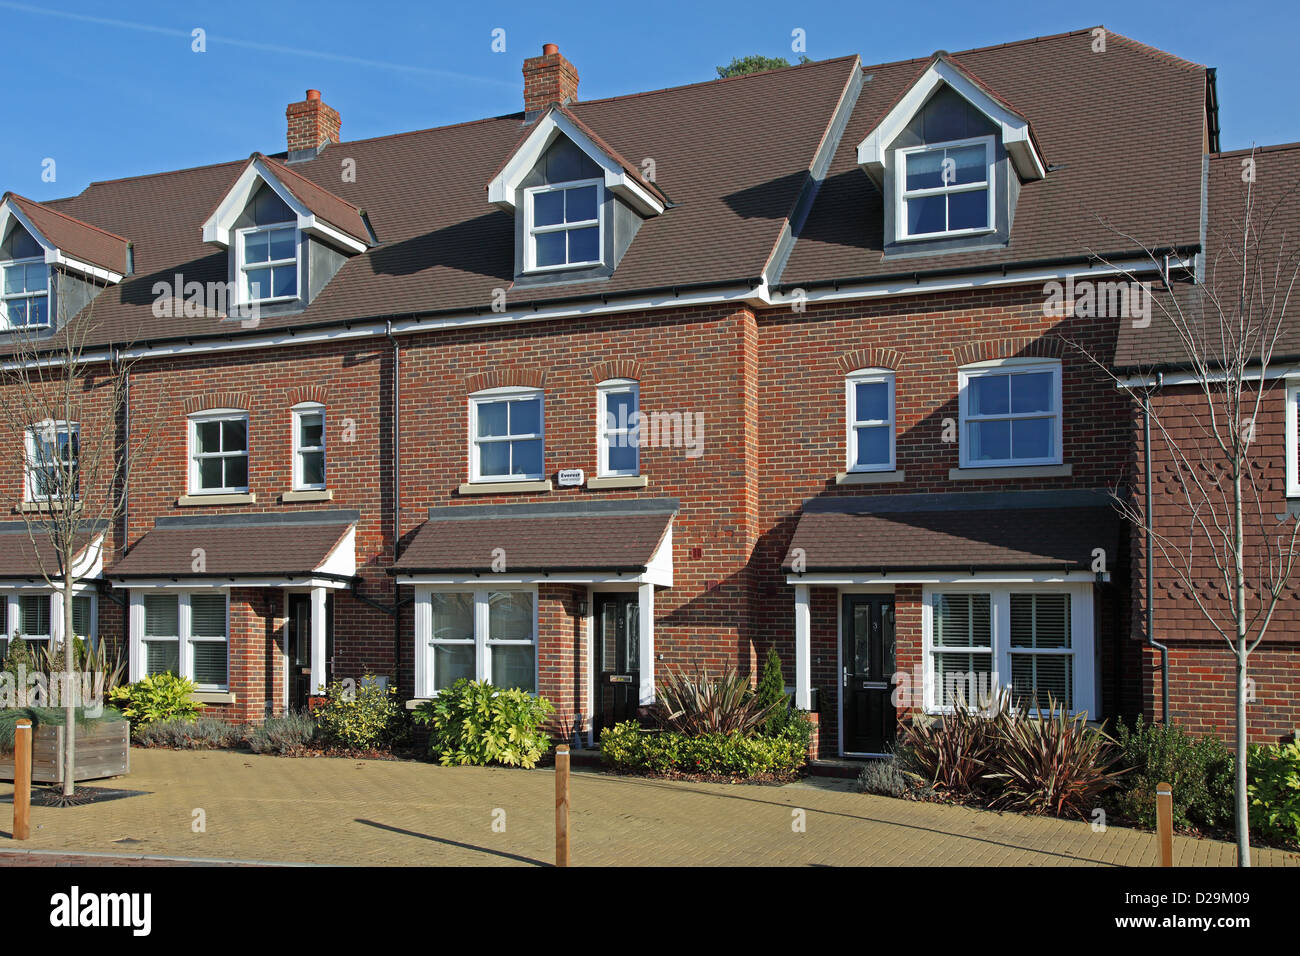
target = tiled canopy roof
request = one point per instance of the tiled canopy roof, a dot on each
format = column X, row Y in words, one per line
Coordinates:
column 970, row 532
column 290, row 544
column 615, row 536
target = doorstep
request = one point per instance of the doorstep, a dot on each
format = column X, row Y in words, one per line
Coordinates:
column 836, row 766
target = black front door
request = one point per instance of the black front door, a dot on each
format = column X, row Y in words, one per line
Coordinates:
column 618, row 658
column 299, row 647
column 868, row 666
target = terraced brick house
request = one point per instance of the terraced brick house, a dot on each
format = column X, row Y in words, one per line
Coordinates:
column 571, row 397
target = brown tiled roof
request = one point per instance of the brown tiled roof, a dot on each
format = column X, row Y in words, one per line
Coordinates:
column 443, row 247
column 28, row 553
column 538, row 538
column 337, row 212
column 279, row 545
column 74, row 238
column 866, row 535
column 1122, row 129
column 1275, row 226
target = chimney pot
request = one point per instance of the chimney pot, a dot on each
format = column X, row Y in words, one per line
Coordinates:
column 313, row 94
column 550, row 49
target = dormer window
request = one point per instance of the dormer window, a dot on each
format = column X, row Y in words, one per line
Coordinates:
column 946, row 189
column 24, row 295
column 563, row 224
column 268, row 263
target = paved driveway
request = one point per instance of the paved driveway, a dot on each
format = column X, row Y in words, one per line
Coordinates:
column 231, row 806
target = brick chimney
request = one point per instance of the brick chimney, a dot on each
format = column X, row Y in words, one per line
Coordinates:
column 548, row 78
column 312, row 126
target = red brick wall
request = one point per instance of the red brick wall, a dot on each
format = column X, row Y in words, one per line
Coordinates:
column 1201, row 671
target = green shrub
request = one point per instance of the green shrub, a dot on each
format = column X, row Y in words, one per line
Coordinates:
column 1274, row 791
column 473, row 722
column 202, row 733
column 629, row 748
column 157, row 697
column 367, row 718
column 771, row 683
column 1200, row 770
column 284, row 734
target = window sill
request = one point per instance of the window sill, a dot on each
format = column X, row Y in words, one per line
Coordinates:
column 416, row 702
column 188, row 501
column 214, row 697
column 1011, row 471
column 319, row 494
column 38, row 507
column 503, row 487
column 620, row 481
column 869, row 477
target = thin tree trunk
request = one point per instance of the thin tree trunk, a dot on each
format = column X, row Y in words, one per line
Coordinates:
column 1242, row 653
column 69, row 698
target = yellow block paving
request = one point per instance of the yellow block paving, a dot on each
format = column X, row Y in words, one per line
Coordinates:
column 402, row 813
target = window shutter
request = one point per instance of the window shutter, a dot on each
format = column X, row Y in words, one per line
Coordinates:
column 209, row 659
column 81, row 617
column 1041, row 623
column 208, row 615
column 35, row 615
column 962, row 621
column 161, row 615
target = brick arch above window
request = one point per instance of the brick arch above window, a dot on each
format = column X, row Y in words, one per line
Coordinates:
column 308, row 393
column 1019, row 346
column 199, row 403
column 619, row 368
column 870, row 358
column 503, row 377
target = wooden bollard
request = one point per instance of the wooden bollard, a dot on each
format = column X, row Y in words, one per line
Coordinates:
column 562, row 805
column 1165, row 822
column 23, row 779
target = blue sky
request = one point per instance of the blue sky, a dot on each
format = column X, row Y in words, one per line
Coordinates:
column 113, row 90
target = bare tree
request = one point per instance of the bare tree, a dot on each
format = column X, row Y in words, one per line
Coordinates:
column 1220, row 535
column 64, row 398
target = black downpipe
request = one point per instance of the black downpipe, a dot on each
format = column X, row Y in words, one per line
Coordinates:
column 1150, row 582
column 397, row 498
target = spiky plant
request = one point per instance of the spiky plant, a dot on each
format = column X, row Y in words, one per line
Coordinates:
column 699, row 704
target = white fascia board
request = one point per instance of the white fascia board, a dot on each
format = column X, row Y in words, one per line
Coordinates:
column 490, row 578
column 343, row 559
column 502, row 188
column 959, row 283
column 221, row 223
column 90, row 562
column 53, row 255
column 660, row 569
column 842, row 579
column 1013, row 130
column 1192, row 378
column 223, row 581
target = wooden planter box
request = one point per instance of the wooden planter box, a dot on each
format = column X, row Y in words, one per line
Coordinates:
column 102, row 750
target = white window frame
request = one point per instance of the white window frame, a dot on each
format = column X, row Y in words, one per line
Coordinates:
column 1009, row 367
column 185, row 639
column 5, row 298
column 630, row 434
column 531, row 232
column 902, row 194
column 242, row 269
column 852, row 423
column 29, row 461
column 211, row 415
column 1083, row 639
column 300, row 410
column 504, row 394
column 1292, row 442
column 54, row 611
column 425, row 677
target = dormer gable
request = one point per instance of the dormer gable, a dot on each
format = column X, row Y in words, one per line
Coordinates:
column 52, row 264
column 949, row 158
column 1011, row 127
column 287, row 236
column 577, row 203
